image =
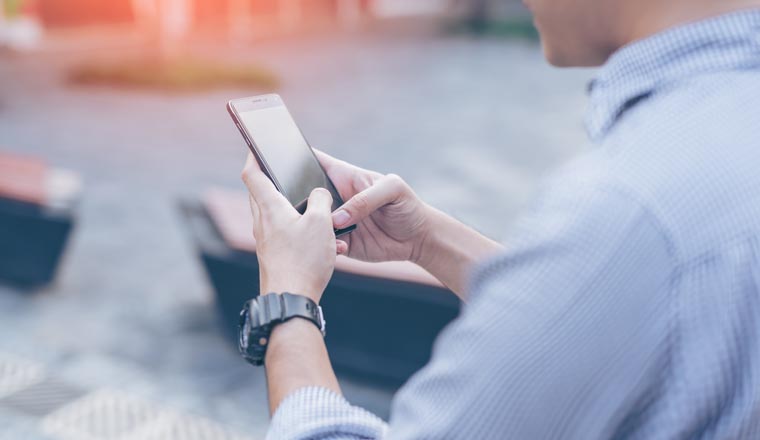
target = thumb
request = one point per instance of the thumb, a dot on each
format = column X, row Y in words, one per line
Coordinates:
column 320, row 202
column 384, row 191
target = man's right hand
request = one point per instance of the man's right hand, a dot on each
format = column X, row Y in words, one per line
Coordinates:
column 395, row 225
column 392, row 222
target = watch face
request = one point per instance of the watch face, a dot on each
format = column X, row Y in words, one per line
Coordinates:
column 244, row 333
column 250, row 335
column 244, row 329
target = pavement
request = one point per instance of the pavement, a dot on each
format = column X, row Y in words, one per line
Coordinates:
column 129, row 326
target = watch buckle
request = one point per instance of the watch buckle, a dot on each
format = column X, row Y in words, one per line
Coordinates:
column 322, row 322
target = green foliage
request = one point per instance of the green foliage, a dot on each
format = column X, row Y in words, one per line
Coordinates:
column 12, row 7
column 522, row 28
column 179, row 74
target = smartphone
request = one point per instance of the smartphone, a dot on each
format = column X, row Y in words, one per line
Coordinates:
column 281, row 150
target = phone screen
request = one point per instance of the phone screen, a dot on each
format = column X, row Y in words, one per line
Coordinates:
column 285, row 152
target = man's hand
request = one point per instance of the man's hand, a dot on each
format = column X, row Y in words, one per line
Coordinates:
column 392, row 222
column 296, row 252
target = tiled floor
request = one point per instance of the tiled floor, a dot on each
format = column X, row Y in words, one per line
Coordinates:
column 127, row 340
column 41, row 405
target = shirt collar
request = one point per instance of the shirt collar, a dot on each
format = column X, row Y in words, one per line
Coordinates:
column 636, row 71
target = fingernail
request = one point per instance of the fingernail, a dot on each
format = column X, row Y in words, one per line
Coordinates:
column 341, row 217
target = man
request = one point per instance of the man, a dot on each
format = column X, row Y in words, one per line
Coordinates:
column 625, row 304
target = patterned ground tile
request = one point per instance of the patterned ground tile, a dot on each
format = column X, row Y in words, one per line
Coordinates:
column 43, row 397
column 103, row 415
column 18, row 373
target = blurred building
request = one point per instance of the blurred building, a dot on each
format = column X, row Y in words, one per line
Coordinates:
column 233, row 19
column 218, row 13
column 65, row 13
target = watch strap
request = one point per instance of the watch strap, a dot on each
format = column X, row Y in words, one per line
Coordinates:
column 299, row 306
column 274, row 308
column 260, row 315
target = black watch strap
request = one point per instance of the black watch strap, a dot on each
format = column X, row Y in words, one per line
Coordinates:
column 275, row 308
column 261, row 314
column 299, row 306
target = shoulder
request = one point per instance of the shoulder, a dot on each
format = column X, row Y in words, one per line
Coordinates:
column 584, row 223
column 689, row 153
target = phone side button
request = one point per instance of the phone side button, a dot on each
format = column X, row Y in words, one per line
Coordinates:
column 247, row 141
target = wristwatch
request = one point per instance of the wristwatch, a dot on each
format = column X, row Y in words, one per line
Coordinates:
column 261, row 314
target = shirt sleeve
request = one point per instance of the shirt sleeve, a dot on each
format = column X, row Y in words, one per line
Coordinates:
column 566, row 335
column 320, row 413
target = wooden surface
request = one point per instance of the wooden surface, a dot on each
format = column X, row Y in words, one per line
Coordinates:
column 23, row 178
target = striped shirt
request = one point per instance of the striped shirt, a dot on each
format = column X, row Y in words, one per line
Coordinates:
column 628, row 302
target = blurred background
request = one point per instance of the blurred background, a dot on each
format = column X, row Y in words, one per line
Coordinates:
column 113, row 133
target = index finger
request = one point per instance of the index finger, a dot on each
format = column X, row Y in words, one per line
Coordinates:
column 262, row 189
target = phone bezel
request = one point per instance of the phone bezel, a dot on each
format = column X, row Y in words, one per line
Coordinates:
column 265, row 101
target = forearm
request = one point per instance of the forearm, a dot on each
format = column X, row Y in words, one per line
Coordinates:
column 451, row 249
column 297, row 358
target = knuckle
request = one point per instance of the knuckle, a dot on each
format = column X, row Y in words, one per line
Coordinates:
column 323, row 192
column 317, row 209
column 395, row 180
column 320, row 216
column 360, row 202
column 398, row 184
column 364, row 181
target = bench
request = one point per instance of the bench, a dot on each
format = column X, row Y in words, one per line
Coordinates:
column 382, row 318
column 36, row 218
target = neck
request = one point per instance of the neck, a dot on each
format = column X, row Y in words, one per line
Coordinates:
column 657, row 16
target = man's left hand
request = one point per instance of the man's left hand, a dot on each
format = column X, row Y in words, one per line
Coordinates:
column 296, row 252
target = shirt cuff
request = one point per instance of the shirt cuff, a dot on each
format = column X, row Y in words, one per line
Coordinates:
column 315, row 412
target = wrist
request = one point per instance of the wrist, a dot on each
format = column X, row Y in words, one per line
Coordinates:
column 296, row 358
column 450, row 249
column 428, row 244
column 285, row 333
column 308, row 289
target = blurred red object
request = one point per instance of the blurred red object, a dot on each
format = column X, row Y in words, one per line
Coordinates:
column 23, row 178
column 30, row 8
